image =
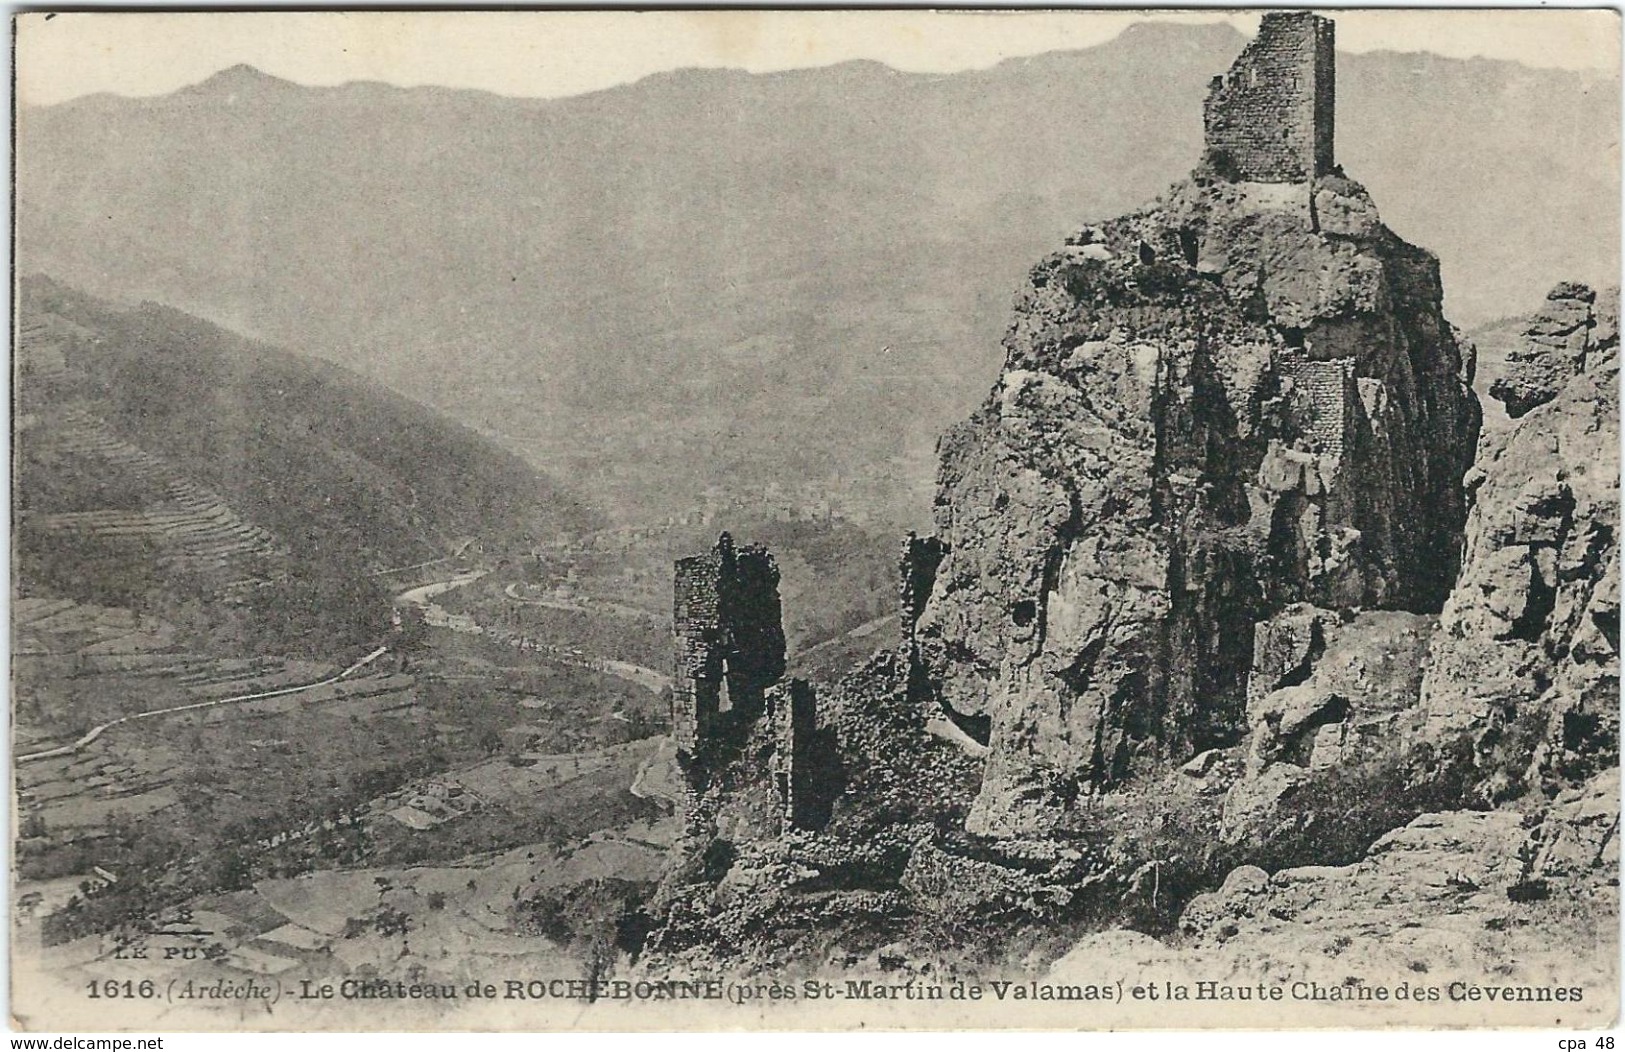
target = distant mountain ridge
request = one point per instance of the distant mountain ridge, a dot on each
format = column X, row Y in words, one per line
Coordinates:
column 711, row 279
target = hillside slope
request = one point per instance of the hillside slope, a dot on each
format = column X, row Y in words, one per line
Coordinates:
column 159, row 454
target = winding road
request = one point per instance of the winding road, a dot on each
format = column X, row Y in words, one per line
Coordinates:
column 434, row 614
column 98, row 731
column 591, row 606
column 437, row 616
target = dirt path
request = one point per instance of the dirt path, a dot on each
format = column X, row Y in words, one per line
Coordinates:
column 98, row 731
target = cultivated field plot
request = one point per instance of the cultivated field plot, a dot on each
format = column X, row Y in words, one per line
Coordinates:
column 504, row 783
column 254, row 762
column 479, row 747
column 446, row 923
column 143, row 499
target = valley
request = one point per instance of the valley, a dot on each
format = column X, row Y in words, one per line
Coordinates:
column 609, row 536
column 434, row 685
column 713, row 292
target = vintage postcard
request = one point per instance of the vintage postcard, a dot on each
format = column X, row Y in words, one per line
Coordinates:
column 802, row 519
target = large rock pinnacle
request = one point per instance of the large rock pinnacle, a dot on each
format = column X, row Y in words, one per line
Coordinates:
column 1241, row 397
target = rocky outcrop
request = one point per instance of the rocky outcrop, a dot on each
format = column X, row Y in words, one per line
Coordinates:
column 1522, row 671
column 1436, row 859
column 1571, row 329
column 1204, row 599
column 1324, row 685
column 1577, row 839
column 1238, row 399
column 1328, row 692
column 1533, row 891
column 1525, row 665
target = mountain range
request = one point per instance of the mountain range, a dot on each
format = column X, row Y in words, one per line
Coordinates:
column 708, row 283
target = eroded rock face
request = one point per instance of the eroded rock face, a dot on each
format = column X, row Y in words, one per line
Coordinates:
column 1572, row 328
column 1328, row 691
column 1240, row 398
column 1526, row 660
column 1438, row 897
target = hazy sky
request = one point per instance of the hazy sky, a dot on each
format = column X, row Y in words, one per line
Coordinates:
column 563, row 53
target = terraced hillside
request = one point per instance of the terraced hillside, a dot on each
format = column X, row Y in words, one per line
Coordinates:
column 209, row 537
column 252, row 497
column 234, row 771
column 191, row 528
column 220, row 700
column 145, row 400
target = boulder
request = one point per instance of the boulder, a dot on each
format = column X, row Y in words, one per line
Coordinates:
column 1578, row 837
column 1530, row 891
column 1567, row 331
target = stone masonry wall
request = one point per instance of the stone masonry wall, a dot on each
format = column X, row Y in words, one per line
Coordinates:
column 1271, row 117
column 1329, row 391
column 729, row 637
column 917, row 574
column 697, row 621
column 755, row 659
column 748, row 741
column 796, row 767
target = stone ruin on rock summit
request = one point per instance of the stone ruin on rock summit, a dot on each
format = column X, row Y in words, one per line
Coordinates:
column 1271, row 118
column 1235, row 402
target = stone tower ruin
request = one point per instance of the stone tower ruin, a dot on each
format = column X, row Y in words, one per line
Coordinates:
column 729, row 698
column 730, row 639
column 1270, row 118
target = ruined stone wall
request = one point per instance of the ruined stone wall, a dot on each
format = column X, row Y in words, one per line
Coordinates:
column 729, row 636
column 792, row 706
column 699, row 636
column 753, row 755
column 1328, row 393
column 917, row 574
column 755, row 626
column 1271, row 117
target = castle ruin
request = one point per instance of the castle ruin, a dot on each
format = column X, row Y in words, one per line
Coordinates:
column 797, row 770
column 730, row 640
column 730, row 673
column 1270, row 119
column 917, row 575
column 1330, row 390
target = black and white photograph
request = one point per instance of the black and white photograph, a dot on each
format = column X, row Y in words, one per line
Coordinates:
column 796, row 520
